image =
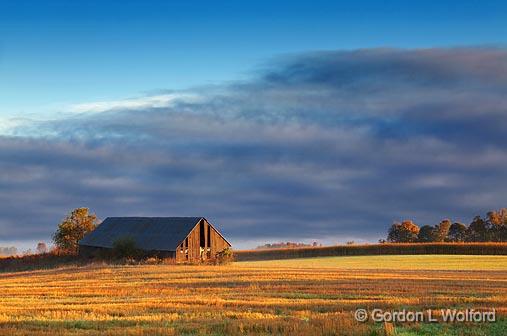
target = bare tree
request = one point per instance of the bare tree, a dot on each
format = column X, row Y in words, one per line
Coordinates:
column 42, row 248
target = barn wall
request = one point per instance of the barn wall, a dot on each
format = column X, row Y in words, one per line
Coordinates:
column 102, row 252
column 217, row 242
column 92, row 251
column 190, row 249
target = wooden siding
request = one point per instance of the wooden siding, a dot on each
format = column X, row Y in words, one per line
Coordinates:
column 190, row 250
column 91, row 252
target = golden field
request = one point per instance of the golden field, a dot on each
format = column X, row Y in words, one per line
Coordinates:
column 316, row 296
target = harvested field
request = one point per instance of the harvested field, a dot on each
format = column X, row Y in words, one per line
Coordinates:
column 291, row 297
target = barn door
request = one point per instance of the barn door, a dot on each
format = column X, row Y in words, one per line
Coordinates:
column 204, row 240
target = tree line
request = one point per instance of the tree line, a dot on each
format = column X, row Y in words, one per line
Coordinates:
column 8, row 251
column 492, row 228
column 286, row 245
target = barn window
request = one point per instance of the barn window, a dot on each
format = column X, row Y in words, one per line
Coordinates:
column 202, row 240
column 209, row 235
column 208, row 252
column 186, row 248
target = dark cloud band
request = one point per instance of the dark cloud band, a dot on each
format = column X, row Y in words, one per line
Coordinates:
column 323, row 144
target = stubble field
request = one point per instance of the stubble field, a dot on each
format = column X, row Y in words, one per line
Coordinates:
column 291, row 297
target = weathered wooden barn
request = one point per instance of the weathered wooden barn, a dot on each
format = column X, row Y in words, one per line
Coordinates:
column 186, row 239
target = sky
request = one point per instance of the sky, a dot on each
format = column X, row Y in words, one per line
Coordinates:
column 318, row 120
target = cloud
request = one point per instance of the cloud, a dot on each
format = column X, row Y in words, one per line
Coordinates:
column 163, row 100
column 330, row 145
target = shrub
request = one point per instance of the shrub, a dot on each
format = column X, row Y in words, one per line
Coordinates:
column 224, row 257
column 152, row 261
column 125, row 248
column 168, row 261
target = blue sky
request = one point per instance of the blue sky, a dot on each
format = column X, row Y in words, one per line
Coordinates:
column 276, row 120
column 54, row 53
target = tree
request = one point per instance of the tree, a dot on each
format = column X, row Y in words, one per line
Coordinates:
column 406, row 232
column 478, row 230
column 501, row 233
column 492, row 228
column 42, row 248
column 73, row 228
column 457, row 233
column 497, row 225
column 442, row 230
column 495, row 217
column 394, row 233
column 426, row 234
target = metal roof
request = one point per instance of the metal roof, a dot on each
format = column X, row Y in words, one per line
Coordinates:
column 149, row 233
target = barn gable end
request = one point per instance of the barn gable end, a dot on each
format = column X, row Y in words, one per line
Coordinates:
column 203, row 242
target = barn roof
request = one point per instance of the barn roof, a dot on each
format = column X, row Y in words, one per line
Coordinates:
column 149, row 233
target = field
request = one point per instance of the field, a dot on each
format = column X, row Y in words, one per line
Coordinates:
column 315, row 296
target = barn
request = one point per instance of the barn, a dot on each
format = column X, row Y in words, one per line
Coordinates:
column 186, row 239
